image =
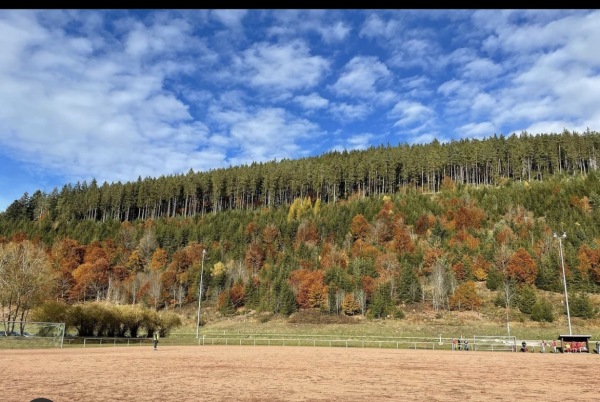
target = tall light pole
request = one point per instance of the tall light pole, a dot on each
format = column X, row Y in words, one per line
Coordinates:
column 562, row 261
column 200, row 295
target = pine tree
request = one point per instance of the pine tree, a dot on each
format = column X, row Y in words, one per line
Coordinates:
column 526, row 298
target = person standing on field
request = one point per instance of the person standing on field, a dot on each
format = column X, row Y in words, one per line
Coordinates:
column 543, row 346
column 155, row 338
column 453, row 343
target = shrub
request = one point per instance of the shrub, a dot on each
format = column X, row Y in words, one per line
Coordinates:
column 398, row 313
column 542, row 311
column 264, row 318
column 581, row 306
column 102, row 319
column 51, row 311
column 168, row 321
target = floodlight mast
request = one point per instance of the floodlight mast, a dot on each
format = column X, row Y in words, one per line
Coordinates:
column 562, row 261
column 200, row 295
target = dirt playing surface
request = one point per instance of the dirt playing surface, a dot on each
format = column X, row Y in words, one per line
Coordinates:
column 288, row 373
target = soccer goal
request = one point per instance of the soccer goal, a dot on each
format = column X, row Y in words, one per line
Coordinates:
column 495, row 343
column 29, row 334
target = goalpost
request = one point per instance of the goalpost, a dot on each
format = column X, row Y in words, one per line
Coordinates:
column 495, row 343
column 32, row 334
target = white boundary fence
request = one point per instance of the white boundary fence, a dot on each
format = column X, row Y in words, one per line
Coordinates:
column 477, row 342
column 500, row 343
column 116, row 341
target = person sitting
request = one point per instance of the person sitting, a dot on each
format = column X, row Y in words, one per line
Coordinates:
column 523, row 346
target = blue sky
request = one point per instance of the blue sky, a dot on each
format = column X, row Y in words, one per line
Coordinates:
column 118, row 94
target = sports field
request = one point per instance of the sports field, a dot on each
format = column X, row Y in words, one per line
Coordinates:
column 290, row 373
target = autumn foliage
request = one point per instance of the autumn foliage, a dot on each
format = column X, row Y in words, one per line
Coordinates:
column 521, row 267
column 465, row 297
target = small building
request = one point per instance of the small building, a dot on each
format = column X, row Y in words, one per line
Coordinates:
column 574, row 343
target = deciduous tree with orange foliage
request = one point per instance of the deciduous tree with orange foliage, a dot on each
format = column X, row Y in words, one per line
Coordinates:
column 384, row 222
column 66, row 255
column 237, row 294
column 403, row 243
column 465, row 297
column 332, row 256
column 309, row 287
column 589, row 262
column 360, row 248
column 360, row 227
column 254, row 257
column 469, row 217
column 350, row 306
column 521, row 267
column 307, row 233
column 270, row 236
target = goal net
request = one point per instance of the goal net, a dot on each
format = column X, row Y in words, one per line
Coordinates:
column 495, row 343
column 29, row 334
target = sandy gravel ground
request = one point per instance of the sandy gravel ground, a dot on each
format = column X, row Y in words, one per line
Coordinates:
column 288, row 373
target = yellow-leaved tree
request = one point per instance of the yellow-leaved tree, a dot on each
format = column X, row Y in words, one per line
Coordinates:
column 25, row 280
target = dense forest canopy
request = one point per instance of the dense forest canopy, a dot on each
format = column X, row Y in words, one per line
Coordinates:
column 329, row 178
column 359, row 232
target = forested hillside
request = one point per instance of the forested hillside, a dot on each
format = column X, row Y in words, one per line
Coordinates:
column 331, row 177
column 361, row 232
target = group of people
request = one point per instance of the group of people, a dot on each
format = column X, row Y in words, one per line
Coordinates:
column 543, row 345
column 576, row 347
column 459, row 344
column 569, row 347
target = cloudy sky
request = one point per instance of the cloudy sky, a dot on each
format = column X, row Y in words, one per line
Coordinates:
column 118, row 94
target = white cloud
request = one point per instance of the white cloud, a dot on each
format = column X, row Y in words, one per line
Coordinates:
column 450, row 87
column 477, row 130
column 230, row 18
column 361, row 77
column 325, row 23
column 336, row 32
column 483, row 103
column 360, row 141
column 407, row 113
column 285, row 67
column 482, row 69
column 269, row 134
column 374, row 26
column 355, row 142
column 424, row 138
column 69, row 105
column 345, row 112
column 420, row 53
column 312, row 101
